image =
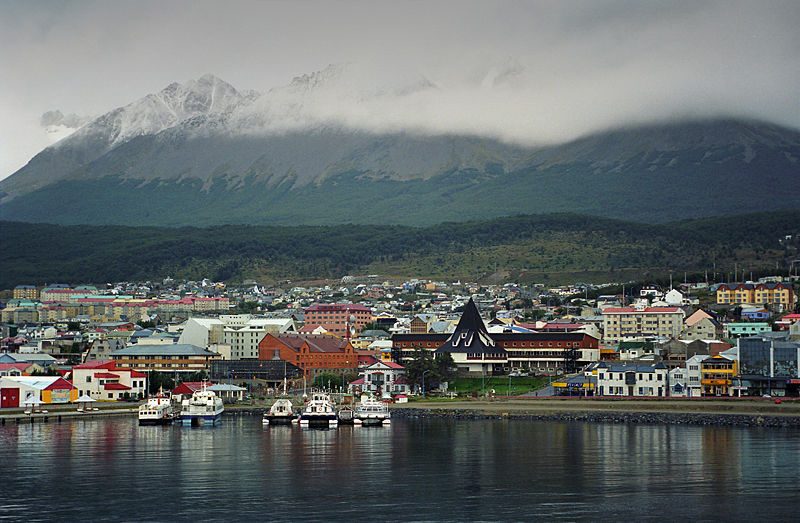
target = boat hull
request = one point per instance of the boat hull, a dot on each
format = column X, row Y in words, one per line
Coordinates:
column 323, row 420
column 156, row 421
column 200, row 419
column 278, row 420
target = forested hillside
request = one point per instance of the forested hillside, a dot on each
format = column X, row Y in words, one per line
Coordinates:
column 548, row 248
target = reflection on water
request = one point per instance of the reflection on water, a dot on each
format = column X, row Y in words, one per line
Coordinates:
column 413, row 470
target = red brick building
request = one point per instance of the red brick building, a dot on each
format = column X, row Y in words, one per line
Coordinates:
column 312, row 354
column 334, row 317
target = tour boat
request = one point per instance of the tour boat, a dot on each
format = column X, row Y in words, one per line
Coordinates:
column 158, row 410
column 280, row 413
column 319, row 411
column 346, row 416
column 371, row 412
column 202, row 407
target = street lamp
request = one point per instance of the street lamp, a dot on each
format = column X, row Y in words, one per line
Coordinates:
column 509, row 384
column 423, row 381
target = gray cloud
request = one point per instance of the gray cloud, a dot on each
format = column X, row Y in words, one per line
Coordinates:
column 529, row 71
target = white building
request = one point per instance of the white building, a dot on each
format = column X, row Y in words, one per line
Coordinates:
column 241, row 332
column 631, row 322
column 102, row 380
column 632, row 379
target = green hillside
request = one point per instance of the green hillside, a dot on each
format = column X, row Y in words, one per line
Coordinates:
column 529, row 248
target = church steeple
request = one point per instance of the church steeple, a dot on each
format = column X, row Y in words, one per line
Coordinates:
column 471, row 335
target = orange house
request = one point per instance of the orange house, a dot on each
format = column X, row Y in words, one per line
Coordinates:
column 312, row 353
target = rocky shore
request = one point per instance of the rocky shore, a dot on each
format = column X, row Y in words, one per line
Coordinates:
column 672, row 418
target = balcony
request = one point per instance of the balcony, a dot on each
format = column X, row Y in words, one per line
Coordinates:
column 716, row 382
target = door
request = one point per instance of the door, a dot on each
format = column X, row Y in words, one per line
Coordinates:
column 9, row 397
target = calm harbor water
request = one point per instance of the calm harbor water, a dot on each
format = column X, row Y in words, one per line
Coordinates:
column 414, row 470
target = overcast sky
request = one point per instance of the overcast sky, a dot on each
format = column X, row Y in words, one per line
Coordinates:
column 577, row 66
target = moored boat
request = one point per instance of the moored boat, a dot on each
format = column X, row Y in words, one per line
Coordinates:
column 346, row 416
column 280, row 413
column 319, row 411
column 371, row 412
column 201, row 408
column 158, row 410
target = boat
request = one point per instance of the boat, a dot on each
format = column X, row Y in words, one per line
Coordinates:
column 158, row 410
column 346, row 416
column 319, row 411
column 201, row 408
column 280, row 413
column 371, row 412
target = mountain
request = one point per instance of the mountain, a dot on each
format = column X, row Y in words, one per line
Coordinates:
column 203, row 153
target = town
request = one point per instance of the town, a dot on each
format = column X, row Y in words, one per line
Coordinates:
column 127, row 340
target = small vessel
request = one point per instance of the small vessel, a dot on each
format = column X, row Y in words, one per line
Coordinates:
column 158, row 410
column 346, row 416
column 201, row 408
column 280, row 413
column 371, row 412
column 319, row 411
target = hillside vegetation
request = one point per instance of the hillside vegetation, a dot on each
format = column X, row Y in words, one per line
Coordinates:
column 530, row 248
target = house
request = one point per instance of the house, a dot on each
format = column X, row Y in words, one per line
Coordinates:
column 632, row 379
column 104, row 380
column 701, row 325
column 754, row 313
column 778, row 294
column 382, row 377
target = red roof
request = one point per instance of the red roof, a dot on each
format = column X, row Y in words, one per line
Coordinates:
column 366, row 359
column 188, row 387
column 137, row 374
column 97, row 364
column 60, row 384
column 116, row 386
column 338, row 307
column 393, row 365
column 105, row 375
column 19, row 366
column 359, row 381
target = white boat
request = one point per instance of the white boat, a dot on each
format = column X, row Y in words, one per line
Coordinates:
column 202, row 407
column 280, row 413
column 158, row 410
column 319, row 411
column 371, row 412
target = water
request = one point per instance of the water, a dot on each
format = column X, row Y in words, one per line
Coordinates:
column 414, row 470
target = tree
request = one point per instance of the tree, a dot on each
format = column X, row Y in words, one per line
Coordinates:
column 436, row 368
column 157, row 380
column 328, row 381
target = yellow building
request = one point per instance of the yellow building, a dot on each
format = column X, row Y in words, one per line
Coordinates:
column 760, row 293
column 26, row 292
column 716, row 375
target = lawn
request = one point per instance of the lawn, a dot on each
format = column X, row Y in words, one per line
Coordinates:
column 498, row 383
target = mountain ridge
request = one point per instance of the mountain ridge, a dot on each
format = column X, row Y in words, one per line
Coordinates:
column 160, row 157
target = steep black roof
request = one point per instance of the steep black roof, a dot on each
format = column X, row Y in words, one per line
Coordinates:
column 471, row 335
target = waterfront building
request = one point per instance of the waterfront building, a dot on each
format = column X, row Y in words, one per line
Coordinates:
column 383, row 377
column 17, row 391
column 632, row 379
column 767, row 365
column 632, row 322
column 177, row 359
column 717, row 374
column 312, row 354
column 471, row 346
column 103, row 380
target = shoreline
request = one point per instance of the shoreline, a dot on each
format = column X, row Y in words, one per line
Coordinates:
column 702, row 412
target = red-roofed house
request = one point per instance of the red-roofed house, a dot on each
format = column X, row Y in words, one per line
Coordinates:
column 187, row 388
column 384, row 377
column 102, row 380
